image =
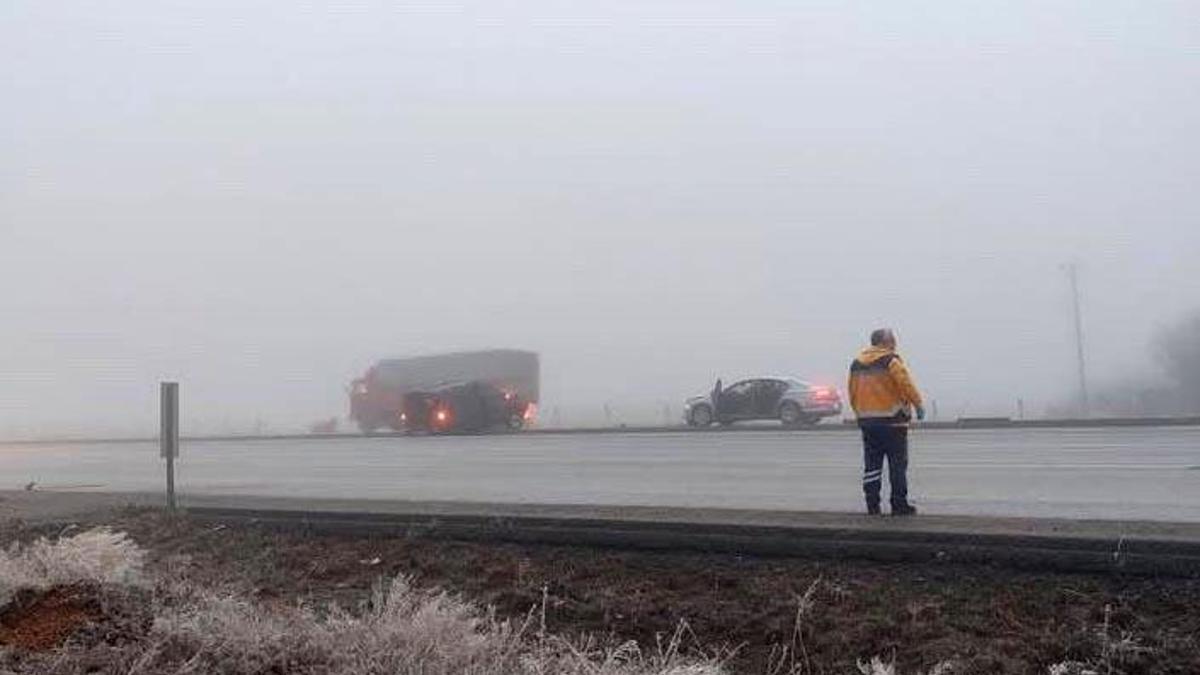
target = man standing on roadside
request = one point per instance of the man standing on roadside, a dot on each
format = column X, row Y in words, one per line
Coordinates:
column 884, row 399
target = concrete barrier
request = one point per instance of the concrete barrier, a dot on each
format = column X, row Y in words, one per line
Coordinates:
column 1140, row 556
column 845, row 425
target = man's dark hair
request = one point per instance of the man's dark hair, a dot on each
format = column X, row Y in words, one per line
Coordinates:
column 880, row 336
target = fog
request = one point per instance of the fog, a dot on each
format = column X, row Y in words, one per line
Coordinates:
column 261, row 199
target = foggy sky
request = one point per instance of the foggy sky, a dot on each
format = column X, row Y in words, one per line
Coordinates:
column 262, row 198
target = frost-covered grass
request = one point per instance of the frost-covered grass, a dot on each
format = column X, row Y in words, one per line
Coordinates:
column 188, row 628
column 98, row 556
column 404, row 630
column 201, row 630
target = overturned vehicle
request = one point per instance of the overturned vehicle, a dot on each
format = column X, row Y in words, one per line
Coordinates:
column 466, row 407
column 380, row 398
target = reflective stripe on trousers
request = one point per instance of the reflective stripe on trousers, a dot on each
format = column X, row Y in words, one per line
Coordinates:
column 888, row 442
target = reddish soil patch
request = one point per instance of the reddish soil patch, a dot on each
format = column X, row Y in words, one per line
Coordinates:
column 38, row 620
column 84, row 614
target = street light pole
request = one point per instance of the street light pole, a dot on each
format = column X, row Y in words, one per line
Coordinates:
column 1073, row 275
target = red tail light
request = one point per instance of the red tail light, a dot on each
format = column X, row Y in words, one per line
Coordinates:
column 530, row 412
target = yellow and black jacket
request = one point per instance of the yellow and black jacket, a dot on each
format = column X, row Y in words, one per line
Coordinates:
column 881, row 388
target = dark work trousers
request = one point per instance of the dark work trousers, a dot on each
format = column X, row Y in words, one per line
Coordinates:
column 890, row 441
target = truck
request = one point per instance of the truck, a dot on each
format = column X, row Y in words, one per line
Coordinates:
column 378, row 398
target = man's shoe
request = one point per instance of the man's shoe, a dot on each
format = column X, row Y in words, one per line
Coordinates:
column 904, row 510
column 873, row 510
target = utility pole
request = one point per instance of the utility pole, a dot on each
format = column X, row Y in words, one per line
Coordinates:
column 1073, row 275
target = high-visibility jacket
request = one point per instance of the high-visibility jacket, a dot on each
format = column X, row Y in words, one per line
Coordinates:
column 881, row 388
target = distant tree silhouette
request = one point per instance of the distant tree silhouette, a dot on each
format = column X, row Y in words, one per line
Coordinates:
column 1177, row 349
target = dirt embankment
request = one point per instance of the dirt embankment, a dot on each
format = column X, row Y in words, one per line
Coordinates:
column 825, row 615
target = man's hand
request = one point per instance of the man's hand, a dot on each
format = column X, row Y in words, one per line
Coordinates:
column 920, row 413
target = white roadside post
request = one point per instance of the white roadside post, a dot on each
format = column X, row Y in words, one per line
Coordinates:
column 169, row 434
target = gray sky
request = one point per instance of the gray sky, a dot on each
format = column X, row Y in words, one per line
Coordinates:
column 261, row 198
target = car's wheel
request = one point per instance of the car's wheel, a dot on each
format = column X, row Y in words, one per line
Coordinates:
column 515, row 422
column 701, row 416
column 791, row 415
column 367, row 428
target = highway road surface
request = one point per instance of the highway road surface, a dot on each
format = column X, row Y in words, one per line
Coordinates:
column 1117, row 473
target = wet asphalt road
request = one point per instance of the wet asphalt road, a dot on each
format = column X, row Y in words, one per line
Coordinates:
column 1138, row 473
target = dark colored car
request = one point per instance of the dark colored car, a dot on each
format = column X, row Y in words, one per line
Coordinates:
column 791, row 401
column 474, row 406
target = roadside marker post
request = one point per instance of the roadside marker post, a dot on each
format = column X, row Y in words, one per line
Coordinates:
column 169, row 434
